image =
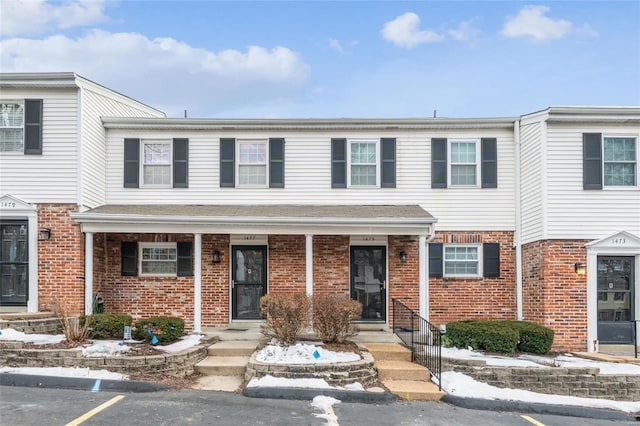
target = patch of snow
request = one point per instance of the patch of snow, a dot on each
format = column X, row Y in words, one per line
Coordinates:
column 36, row 339
column 605, row 367
column 495, row 360
column 325, row 405
column 185, row 342
column 103, row 348
column 302, row 353
column 461, row 385
column 65, row 372
column 269, row 381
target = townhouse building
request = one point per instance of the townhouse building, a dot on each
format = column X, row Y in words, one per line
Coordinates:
column 532, row 217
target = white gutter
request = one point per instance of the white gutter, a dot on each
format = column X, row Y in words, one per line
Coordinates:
column 518, row 231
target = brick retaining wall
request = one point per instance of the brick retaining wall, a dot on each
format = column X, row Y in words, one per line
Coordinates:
column 33, row 325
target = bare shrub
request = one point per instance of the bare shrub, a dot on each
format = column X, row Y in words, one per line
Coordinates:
column 286, row 316
column 73, row 331
column 333, row 315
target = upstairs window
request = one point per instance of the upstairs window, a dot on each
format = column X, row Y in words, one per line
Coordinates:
column 12, row 127
column 156, row 163
column 252, row 163
column 463, row 164
column 363, row 164
column 620, row 161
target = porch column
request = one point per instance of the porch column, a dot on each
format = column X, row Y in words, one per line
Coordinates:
column 88, row 273
column 197, row 283
column 423, row 273
column 309, row 264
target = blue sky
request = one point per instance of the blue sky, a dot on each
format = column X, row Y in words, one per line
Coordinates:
column 336, row 59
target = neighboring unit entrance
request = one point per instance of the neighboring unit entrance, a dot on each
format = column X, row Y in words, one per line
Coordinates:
column 14, row 263
column 368, row 280
column 249, row 281
column 615, row 299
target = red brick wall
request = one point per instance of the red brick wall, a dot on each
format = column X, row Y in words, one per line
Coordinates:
column 331, row 264
column 287, row 264
column 60, row 259
column 404, row 278
column 216, row 281
column 554, row 295
column 454, row 299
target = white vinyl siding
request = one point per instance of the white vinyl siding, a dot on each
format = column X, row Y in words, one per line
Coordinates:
column 252, row 170
column 531, row 176
column 462, row 260
column 12, row 126
column 158, row 259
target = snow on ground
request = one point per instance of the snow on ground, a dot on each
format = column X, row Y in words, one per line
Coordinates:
column 302, row 353
column 461, row 385
column 101, row 348
column 324, row 404
column 501, row 361
column 605, row 367
column 37, row 339
column 185, row 342
column 283, row 382
column 65, row 372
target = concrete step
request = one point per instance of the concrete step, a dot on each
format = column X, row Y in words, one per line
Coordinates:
column 388, row 351
column 233, row 348
column 223, row 365
column 414, row 390
column 219, row 383
column 402, row 370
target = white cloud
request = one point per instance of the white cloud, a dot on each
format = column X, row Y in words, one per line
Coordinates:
column 404, row 31
column 532, row 22
column 25, row 17
column 165, row 72
column 466, row 31
column 335, row 45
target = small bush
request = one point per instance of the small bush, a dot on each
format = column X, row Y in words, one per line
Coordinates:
column 73, row 331
column 333, row 316
column 105, row 326
column 534, row 338
column 286, row 316
column 166, row 329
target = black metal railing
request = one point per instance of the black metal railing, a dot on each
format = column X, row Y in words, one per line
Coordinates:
column 419, row 335
column 635, row 338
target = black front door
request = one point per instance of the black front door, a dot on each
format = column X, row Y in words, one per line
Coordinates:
column 249, row 281
column 368, row 281
column 14, row 263
column 615, row 299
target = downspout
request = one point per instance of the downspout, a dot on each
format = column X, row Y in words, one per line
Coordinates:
column 518, row 231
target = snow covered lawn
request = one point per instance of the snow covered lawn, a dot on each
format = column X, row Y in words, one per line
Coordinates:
column 303, row 353
column 37, row 339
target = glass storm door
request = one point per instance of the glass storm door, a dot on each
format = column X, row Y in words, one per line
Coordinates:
column 14, row 263
column 615, row 299
column 368, row 281
column 249, row 281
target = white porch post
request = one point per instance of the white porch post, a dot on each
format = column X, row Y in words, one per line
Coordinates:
column 309, row 264
column 197, row 284
column 88, row 273
column 423, row 271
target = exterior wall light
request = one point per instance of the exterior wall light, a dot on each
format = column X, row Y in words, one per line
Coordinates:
column 216, row 256
column 580, row 268
column 403, row 256
column 44, row 234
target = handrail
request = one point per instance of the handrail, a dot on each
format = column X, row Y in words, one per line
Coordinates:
column 635, row 338
column 421, row 337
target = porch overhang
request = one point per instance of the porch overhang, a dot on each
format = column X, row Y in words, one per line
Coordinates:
column 259, row 219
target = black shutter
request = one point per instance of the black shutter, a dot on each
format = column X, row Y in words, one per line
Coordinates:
column 592, row 160
column 489, row 168
column 131, row 163
column 388, row 163
column 276, row 163
column 491, row 260
column 129, row 259
column 33, row 126
column 338, row 163
column 227, row 162
column 438, row 163
column 435, row 260
column 180, row 163
column 185, row 259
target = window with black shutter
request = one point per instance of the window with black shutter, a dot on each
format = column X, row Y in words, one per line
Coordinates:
column 185, row 259
column 33, row 126
column 129, row 259
column 276, row 163
column 338, row 163
column 435, row 260
column 388, row 179
column 592, row 161
column 131, row 163
column 227, row 162
column 438, row 163
column 180, row 163
column 491, row 260
column 489, row 168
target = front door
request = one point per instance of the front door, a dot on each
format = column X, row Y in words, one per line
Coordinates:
column 249, row 281
column 369, row 281
column 14, row 263
column 615, row 299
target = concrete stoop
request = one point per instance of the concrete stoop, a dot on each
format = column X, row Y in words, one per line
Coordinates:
column 225, row 365
column 400, row 376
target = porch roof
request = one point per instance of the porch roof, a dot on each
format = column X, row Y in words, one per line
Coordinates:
column 259, row 219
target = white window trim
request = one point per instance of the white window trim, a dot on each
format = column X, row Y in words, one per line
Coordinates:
column 378, row 167
column 477, row 164
column 262, row 141
column 19, row 102
column 143, row 245
column 143, row 142
column 622, row 135
column 480, row 273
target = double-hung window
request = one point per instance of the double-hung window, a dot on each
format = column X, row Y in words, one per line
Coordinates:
column 620, row 165
column 158, row 259
column 363, row 163
column 156, row 163
column 252, row 163
column 462, row 260
column 463, row 163
column 12, row 127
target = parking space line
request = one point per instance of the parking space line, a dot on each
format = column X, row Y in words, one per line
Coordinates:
column 95, row 411
column 532, row 420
